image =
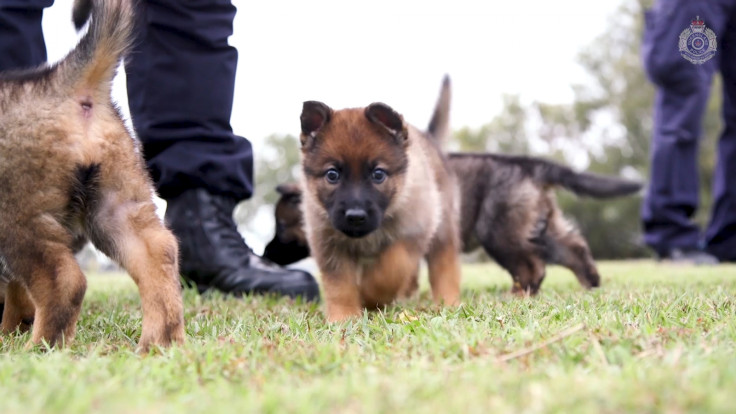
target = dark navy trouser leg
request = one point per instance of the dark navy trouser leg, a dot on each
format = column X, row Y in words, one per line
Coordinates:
column 720, row 235
column 180, row 79
column 682, row 95
column 21, row 37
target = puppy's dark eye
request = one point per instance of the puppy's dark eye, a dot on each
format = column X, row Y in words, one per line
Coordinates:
column 332, row 176
column 378, row 176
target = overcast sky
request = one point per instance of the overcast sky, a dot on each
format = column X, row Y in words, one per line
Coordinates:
column 349, row 53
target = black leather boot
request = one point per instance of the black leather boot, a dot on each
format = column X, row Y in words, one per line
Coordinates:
column 213, row 254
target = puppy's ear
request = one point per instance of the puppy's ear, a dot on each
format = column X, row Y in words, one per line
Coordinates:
column 288, row 189
column 382, row 115
column 315, row 115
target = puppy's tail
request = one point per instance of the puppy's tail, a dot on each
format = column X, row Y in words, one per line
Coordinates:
column 583, row 183
column 439, row 125
column 91, row 66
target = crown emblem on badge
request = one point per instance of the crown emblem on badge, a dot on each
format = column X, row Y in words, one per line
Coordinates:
column 697, row 25
column 697, row 42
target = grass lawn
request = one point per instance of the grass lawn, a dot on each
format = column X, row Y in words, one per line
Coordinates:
column 654, row 338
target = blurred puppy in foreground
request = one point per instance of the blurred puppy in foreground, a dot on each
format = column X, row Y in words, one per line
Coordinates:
column 71, row 172
column 378, row 198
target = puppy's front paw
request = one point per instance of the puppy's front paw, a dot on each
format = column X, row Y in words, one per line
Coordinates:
column 166, row 338
column 342, row 313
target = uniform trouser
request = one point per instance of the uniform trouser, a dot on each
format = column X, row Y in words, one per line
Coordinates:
column 180, row 78
column 682, row 94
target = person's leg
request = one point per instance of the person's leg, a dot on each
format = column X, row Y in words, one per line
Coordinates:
column 21, row 37
column 180, row 79
column 721, row 231
column 680, row 101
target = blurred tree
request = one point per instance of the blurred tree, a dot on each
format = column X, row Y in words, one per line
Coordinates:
column 505, row 133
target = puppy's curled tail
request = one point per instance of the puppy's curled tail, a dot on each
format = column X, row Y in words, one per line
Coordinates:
column 91, row 65
column 439, row 125
column 583, row 183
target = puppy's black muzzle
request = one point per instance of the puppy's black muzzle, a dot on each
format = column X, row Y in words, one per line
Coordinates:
column 356, row 221
column 356, row 217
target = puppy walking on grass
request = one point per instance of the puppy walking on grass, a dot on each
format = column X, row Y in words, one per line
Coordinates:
column 509, row 208
column 378, row 198
column 70, row 171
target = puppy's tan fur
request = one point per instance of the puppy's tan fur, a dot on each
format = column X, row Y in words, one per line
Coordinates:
column 418, row 214
column 71, row 171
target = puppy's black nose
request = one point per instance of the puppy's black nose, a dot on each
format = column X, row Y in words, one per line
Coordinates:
column 356, row 216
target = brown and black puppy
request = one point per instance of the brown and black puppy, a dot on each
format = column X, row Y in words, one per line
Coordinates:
column 378, row 197
column 509, row 208
column 71, row 171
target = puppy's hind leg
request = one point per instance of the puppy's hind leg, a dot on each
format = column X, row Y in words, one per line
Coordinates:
column 56, row 285
column 131, row 233
column 19, row 309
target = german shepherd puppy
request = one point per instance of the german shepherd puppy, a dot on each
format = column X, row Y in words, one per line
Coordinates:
column 71, row 171
column 378, row 197
column 509, row 208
